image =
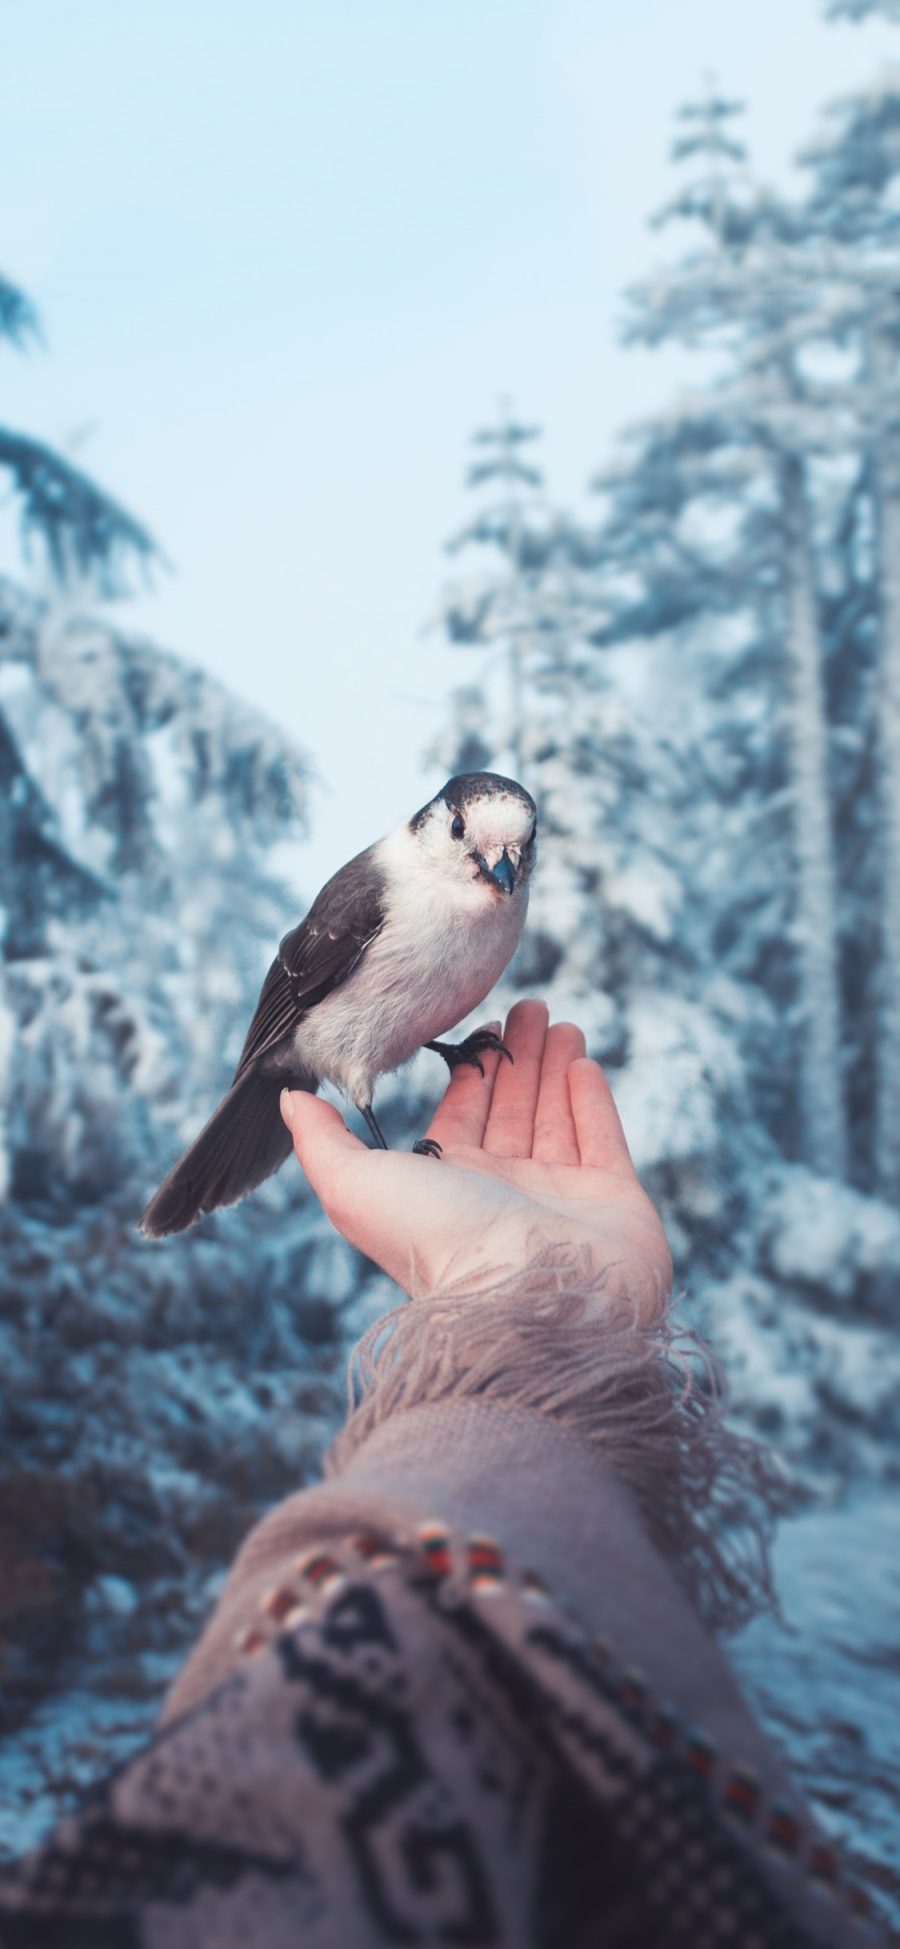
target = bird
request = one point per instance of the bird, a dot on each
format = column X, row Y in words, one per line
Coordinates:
column 399, row 946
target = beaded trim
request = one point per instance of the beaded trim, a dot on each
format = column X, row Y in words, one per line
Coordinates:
column 477, row 1567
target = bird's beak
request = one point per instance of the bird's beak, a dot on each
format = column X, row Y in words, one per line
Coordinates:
column 502, row 874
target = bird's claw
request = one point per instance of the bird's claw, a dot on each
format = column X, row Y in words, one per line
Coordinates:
column 427, row 1147
column 470, row 1050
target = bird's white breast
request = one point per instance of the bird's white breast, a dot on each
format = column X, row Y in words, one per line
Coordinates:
column 439, row 953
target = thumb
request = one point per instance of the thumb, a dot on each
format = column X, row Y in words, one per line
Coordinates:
column 322, row 1141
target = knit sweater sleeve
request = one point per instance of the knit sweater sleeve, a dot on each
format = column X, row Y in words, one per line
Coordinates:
column 597, row 1455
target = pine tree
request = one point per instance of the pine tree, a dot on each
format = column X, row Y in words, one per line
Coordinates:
column 170, row 799
column 84, row 532
column 854, row 225
column 498, row 608
column 143, row 805
column 745, row 298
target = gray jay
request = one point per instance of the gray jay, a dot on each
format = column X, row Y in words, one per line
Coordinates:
column 402, row 943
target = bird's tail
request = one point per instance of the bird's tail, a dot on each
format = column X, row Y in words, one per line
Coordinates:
column 244, row 1141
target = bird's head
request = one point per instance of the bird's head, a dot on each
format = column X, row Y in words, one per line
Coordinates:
column 480, row 830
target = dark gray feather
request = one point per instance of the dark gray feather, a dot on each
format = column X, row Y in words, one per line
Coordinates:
column 244, row 1141
column 315, row 957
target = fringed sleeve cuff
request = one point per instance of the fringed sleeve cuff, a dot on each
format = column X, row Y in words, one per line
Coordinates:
column 590, row 1444
column 644, row 1401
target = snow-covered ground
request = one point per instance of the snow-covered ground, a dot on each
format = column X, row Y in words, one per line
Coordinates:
column 825, row 1683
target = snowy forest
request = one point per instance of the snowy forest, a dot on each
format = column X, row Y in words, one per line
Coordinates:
column 698, row 679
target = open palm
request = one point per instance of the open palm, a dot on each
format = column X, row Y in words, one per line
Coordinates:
column 533, row 1154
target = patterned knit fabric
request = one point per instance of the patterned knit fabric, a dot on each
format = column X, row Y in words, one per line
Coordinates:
column 417, row 1747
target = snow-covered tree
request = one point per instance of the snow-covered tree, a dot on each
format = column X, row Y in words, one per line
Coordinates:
column 681, row 610
column 171, row 799
column 142, row 778
column 854, row 220
column 84, row 532
column 744, row 297
column 496, row 606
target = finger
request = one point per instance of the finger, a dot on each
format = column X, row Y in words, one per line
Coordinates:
column 322, row 1141
column 555, row 1138
column 601, row 1139
column 510, row 1124
column 462, row 1114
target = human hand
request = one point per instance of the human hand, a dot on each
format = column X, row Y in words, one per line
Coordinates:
column 533, row 1155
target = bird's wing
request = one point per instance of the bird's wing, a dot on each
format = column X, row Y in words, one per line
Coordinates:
column 319, row 954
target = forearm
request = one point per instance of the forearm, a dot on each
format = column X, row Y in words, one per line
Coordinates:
column 568, row 1445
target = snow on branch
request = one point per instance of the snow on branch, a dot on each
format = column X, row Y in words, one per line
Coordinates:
column 83, row 529
column 18, row 318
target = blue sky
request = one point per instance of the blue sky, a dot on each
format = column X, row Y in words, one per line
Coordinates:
column 288, row 255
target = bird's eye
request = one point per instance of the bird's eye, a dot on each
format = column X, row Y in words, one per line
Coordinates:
column 458, row 826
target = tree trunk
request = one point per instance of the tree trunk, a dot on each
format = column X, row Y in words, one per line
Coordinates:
column 886, row 493
column 822, row 1108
